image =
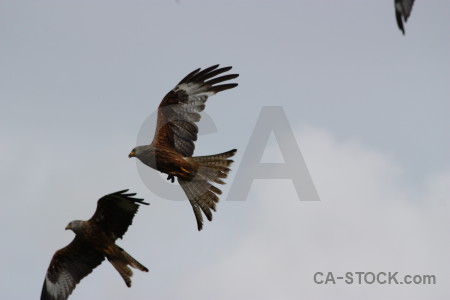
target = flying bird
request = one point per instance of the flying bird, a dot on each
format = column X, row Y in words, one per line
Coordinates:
column 94, row 240
column 176, row 131
column 402, row 11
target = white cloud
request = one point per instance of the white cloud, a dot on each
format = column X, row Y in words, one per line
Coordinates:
column 367, row 220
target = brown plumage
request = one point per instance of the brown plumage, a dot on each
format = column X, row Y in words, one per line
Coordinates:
column 94, row 240
column 176, row 131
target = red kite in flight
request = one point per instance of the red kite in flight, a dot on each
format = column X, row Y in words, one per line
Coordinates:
column 94, row 240
column 173, row 144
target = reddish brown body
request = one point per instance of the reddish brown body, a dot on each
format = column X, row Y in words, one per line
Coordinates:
column 171, row 162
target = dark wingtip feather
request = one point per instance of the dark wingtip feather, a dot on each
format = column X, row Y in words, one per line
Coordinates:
column 120, row 192
column 225, row 69
column 399, row 20
column 220, row 88
column 210, row 73
column 130, row 196
column 199, row 223
column 213, row 67
column 198, row 73
column 206, row 70
column 213, row 72
column 220, row 79
column 142, row 202
column 207, row 76
column 44, row 294
column 189, row 76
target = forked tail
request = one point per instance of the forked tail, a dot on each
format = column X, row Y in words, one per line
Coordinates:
column 121, row 261
column 201, row 193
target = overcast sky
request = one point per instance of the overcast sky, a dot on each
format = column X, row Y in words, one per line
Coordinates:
column 368, row 107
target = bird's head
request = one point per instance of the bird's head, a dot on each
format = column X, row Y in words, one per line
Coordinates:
column 137, row 151
column 75, row 226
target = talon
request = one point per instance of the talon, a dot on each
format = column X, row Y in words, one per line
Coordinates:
column 171, row 178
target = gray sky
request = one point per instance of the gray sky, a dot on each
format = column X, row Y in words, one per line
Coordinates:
column 369, row 108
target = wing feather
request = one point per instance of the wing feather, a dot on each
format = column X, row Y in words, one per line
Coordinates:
column 189, row 76
column 213, row 73
column 68, row 266
column 115, row 212
column 181, row 107
column 403, row 10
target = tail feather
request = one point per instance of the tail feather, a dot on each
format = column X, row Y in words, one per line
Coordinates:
column 121, row 261
column 221, row 157
column 201, row 193
column 123, row 270
column 133, row 262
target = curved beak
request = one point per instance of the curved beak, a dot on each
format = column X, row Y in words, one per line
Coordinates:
column 132, row 154
column 68, row 227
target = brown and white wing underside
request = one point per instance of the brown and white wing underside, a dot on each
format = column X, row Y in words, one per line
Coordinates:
column 180, row 109
column 68, row 266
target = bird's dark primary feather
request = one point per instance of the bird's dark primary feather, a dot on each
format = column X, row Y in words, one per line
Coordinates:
column 115, row 213
column 213, row 74
column 189, row 76
column 403, row 10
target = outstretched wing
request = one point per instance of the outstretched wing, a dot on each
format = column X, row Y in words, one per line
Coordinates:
column 68, row 266
column 115, row 213
column 180, row 108
column 402, row 11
